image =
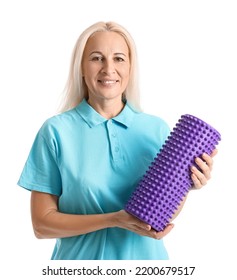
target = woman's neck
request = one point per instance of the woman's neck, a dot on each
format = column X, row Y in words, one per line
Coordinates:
column 107, row 108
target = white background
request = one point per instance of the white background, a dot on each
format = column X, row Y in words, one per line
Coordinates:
column 188, row 64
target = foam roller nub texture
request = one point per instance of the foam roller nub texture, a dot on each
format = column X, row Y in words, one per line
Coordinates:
column 168, row 178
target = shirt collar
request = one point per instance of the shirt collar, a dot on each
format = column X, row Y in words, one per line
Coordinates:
column 126, row 116
column 92, row 118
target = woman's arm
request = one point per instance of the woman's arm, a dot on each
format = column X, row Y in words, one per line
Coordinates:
column 48, row 222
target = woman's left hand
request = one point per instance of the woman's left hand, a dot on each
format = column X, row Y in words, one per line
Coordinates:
column 205, row 163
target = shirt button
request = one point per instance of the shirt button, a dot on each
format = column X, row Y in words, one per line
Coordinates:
column 114, row 135
column 116, row 149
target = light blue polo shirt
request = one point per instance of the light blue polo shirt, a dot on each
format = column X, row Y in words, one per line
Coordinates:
column 93, row 165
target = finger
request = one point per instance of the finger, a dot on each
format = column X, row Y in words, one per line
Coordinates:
column 208, row 160
column 196, row 182
column 161, row 234
column 205, row 168
column 133, row 221
column 214, row 152
column 142, row 227
column 139, row 225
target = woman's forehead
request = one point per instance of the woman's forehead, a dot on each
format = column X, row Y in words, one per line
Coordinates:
column 105, row 40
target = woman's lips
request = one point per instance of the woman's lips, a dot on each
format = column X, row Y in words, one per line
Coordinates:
column 108, row 82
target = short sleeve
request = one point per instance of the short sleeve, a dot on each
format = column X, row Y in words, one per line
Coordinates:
column 41, row 172
column 163, row 131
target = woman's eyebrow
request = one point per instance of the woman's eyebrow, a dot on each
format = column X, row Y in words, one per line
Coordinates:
column 96, row 52
column 99, row 52
column 120, row 54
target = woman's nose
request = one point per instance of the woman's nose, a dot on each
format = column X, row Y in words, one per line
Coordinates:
column 108, row 67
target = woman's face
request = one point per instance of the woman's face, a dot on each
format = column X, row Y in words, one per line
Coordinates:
column 106, row 65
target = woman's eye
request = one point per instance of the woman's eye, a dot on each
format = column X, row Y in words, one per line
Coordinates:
column 119, row 59
column 97, row 58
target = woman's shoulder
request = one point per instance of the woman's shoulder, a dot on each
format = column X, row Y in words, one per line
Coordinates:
column 152, row 120
column 60, row 122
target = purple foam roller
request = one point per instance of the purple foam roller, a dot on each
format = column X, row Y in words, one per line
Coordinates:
column 168, row 178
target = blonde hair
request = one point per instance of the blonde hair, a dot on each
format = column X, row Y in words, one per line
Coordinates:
column 75, row 90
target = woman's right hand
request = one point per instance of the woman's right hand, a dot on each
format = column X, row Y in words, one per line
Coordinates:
column 125, row 220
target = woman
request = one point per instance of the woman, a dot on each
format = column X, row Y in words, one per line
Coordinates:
column 86, row 161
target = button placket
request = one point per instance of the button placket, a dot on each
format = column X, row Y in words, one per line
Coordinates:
column 114, row 141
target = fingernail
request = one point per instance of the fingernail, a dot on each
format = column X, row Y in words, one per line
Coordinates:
column 147, row 227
